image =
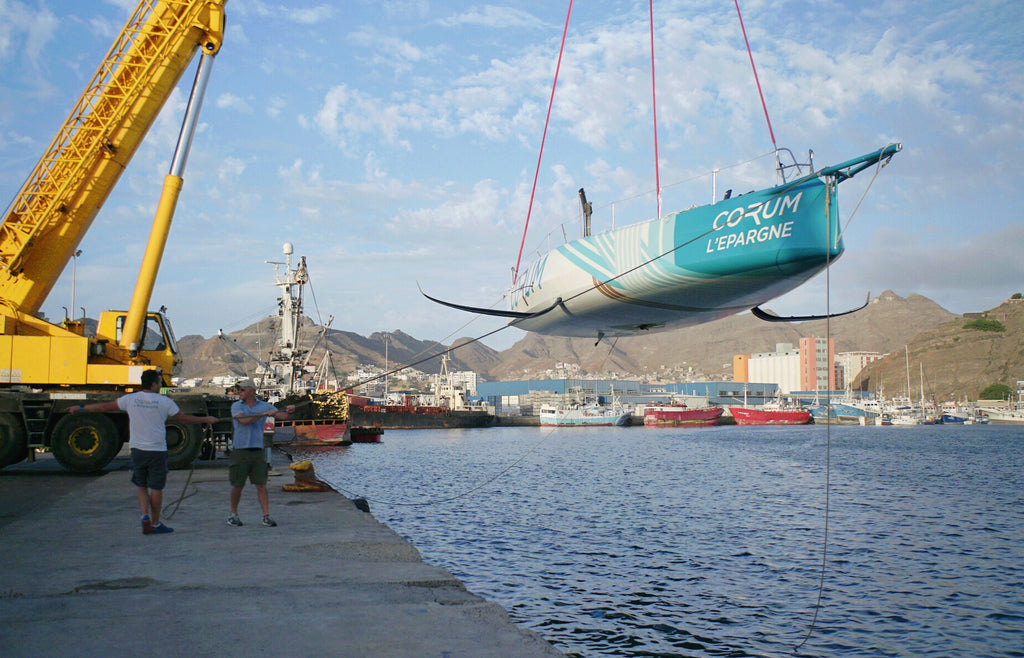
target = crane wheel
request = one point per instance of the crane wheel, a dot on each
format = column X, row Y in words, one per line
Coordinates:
column 84, row 442
column 13, row 446
column 183, row 444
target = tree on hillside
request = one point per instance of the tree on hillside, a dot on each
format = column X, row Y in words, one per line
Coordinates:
column 996, row 392
column 985, row 325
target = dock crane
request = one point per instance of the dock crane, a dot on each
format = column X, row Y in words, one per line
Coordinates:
column 47, row 367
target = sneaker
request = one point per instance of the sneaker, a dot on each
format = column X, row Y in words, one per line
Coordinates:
column 234, row 520
column 269, row 522
column 147, row 525
column 161, row 529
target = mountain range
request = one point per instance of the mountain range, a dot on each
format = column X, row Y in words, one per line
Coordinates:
column 957, row 362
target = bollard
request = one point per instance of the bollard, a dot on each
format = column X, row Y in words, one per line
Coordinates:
column 305, row 478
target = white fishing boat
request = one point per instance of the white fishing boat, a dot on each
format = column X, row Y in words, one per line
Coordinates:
column 589, row 415
column 911, row 418
column 1009, row 413
column 1009, row 416
column 588, row 412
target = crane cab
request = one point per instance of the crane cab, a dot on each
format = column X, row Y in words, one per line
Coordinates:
column 157, row 348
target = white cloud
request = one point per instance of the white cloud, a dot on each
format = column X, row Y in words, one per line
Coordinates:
column 229, row 101
column 22, row 28
column 310, row 15
column 492, row 16
column 347, row 113
column 275, row 104
column 230, row 169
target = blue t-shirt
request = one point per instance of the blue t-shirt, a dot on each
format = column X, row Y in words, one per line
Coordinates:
column 249, row 436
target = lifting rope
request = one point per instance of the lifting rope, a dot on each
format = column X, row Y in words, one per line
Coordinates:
column 654, row 110
column 547, row 119
column 750, row 54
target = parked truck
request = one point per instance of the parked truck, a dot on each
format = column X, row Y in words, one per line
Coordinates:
column 45, row 367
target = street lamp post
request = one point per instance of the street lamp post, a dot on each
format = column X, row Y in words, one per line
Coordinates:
column 387, row 339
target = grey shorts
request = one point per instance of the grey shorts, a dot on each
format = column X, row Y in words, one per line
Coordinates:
column 149, row 468
column 247, row 463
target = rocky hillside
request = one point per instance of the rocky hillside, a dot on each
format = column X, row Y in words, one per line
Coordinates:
column 208, row 357
column 958, row 358
column 887, row 324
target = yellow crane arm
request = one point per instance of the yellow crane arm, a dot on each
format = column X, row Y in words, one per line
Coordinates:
column 61, row 197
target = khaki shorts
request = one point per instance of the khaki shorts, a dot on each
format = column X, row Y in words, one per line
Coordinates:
column 248, row 463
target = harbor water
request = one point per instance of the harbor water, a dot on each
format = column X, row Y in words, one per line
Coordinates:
column 712, row 541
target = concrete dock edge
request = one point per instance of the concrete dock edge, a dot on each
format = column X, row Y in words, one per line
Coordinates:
column 80, row 579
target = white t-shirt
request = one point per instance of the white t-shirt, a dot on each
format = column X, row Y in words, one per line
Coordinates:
column 147, row 413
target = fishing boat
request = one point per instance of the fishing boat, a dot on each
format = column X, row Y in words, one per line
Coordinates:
column 322, row 416
column 770, row 416
column 977, row 417
column 584, row 415
column 1005, row 416
column 680, row 415
column 778, row 411
column 584, row 409
column 1010, row 412
column 912, row 418
column 370, row 414
column 448, row 408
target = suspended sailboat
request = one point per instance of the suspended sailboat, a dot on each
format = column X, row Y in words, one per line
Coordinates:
column 689, row 267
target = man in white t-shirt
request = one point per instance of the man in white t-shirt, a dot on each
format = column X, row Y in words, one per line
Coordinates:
column 148, row 412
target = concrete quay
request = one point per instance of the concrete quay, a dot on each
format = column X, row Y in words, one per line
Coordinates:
column 78, row 577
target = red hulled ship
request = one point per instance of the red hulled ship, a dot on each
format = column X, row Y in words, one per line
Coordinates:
column 672, row 415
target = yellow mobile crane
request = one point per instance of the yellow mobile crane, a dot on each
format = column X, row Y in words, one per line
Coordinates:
column 44, row 367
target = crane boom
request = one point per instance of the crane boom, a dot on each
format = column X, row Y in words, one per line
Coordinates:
column 46, row 370
column 61, row 197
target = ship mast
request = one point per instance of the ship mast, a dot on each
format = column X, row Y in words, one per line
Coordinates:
column 286, row 357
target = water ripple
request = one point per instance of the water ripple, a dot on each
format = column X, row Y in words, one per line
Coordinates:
column 708, row 542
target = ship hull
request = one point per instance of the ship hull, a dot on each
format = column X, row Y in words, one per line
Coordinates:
column 312, row 433
column 563, row 419
column 668, row 416
column 766, row 417
column 684, row 269
column 416, row 418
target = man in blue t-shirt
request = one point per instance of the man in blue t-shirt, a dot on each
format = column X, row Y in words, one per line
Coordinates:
column 247, row 458
column 148, row 412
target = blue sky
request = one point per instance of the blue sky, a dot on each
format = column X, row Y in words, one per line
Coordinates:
column 395, row 142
